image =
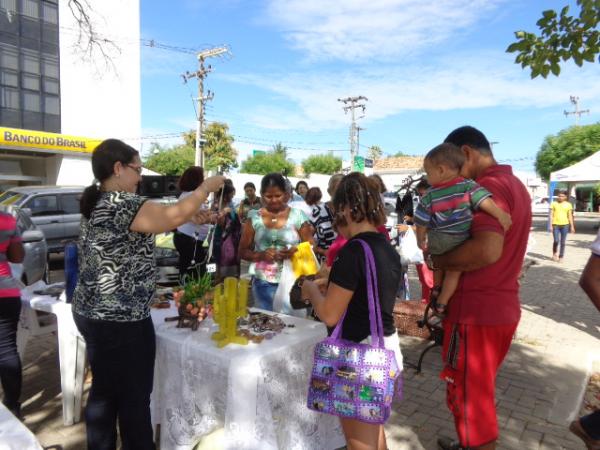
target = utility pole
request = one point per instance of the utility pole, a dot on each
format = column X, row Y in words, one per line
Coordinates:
column 577, row 113
column 350, row 104
column 358, row 130
column 200, row 75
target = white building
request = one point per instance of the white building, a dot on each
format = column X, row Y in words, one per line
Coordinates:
column 52, row 92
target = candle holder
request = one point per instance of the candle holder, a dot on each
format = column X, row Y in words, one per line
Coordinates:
column 230, row 303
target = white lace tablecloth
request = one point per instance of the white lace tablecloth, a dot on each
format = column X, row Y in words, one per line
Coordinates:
column 13, row 434
column 257, row 393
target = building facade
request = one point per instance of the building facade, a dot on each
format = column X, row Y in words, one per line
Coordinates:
column 55, row 87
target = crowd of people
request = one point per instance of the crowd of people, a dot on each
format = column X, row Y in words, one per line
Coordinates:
column 470, row 224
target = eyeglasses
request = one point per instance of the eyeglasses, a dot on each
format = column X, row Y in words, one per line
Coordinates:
column 136, row 168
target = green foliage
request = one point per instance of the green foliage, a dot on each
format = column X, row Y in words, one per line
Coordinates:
column 169, row 160
column 398, row 154
column 280, row 149
column 562, row 37
column 218, row 148
column 566, row 148
column 270, row 162
column 374, row 152
column 325, row 164
column 195, row 286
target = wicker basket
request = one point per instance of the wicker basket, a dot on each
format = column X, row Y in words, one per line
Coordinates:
column 406, row 315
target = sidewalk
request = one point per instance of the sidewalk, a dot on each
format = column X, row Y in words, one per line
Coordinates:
column 539, row 385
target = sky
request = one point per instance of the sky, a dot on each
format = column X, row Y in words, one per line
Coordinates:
column 426, row 68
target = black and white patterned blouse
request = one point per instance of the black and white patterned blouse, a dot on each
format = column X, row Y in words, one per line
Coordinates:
column 117, row 274
column 322, row 221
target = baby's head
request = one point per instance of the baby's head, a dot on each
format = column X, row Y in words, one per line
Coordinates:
column 443, row 163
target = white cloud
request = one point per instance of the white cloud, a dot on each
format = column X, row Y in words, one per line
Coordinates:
column 458, row 82
column 354, row 30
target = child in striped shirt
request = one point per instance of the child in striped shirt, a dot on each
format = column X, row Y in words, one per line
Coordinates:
column 444, row 214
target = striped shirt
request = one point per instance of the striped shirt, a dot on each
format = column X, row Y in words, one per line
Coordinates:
column 448, row 207
column 9, row 234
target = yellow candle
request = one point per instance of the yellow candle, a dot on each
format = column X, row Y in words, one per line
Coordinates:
column 242, row 297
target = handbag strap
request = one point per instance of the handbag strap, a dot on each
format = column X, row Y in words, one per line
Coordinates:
column 375, row 321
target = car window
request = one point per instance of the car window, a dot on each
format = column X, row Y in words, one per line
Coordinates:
column 24, row 223
column 43, row 205
column 70, row 203
column 11, row 198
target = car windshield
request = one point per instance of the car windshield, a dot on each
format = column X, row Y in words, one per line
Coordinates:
column 11, row 198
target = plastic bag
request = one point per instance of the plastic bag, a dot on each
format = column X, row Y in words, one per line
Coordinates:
column 408, row 248
column 281, row 300
column 304, row 261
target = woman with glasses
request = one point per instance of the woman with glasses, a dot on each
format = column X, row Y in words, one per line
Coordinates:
column 115, row 286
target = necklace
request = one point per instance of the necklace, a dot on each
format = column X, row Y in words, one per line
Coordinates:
column 275, row 216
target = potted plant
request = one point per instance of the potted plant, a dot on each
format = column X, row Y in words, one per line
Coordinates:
column 194, row 299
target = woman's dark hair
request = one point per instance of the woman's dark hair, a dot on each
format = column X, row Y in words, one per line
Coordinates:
column 361, row 195
column 228, row 190
column 191, row 178
column 272, row 180
column 313, row 196
column 300, row 183
column 249, row 184
column 379, row 182
column 446, row 154
column 104, row 157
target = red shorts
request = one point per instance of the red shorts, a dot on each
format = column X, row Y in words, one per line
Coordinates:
column 472, row 355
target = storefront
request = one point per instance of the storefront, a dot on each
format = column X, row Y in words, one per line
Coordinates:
column 35, row 158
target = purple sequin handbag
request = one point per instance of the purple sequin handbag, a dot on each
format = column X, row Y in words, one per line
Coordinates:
column 356, row 381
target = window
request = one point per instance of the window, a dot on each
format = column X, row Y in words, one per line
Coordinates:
column 9, row 57
column 9, row 5
column 31, row 101
column 70, row 203
column 51, row 105
column 50, row 12
column 31, row 82
column 9, row 78
column 30, row 62
column 44, row 205
column 30, row 8
column 9, row 98
column 51, row 86
column 50, row 66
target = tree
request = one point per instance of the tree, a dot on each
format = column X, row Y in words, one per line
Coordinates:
column 566, row 148
column 562, row 37
column 325, row 164
column 264, row 163
column 280, row 149
column 398, row 154
column 374, row 152
column 169, row 160
column 218, row 149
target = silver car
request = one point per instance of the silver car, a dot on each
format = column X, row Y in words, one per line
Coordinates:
column 35, row 264
column 53, row 209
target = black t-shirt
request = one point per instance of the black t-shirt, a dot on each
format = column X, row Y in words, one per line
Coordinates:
column 349, row 271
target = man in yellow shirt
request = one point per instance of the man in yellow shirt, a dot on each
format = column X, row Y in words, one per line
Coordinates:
column 561, row 218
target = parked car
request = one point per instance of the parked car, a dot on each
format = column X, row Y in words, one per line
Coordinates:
column 35, row 265
column 53, row 209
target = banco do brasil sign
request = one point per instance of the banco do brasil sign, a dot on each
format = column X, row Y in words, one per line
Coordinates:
column 29, row 139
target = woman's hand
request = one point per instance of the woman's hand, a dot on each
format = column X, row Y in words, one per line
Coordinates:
column 269, row 255
column 288, row 253
column 212, row 184
column 202, row 217
column 402, row 227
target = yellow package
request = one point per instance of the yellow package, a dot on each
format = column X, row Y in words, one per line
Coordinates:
column 304, row 261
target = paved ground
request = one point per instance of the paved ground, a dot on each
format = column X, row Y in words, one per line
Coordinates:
column 539, row 386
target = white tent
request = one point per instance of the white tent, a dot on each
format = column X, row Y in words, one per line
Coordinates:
column 587, row 170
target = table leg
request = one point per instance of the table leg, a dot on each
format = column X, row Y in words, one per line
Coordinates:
column 71, row 352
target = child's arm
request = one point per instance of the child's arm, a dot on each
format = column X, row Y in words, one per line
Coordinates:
column 489, row 206
column 421, row 237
